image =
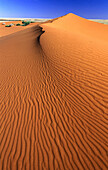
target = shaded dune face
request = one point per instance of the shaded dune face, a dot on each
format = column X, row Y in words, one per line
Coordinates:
column 53, row 96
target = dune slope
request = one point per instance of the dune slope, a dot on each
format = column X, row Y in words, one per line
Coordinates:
column 4, row 31
column 54, row 96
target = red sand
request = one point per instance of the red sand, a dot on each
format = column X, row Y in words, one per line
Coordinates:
column 9, row 30
column 54, row 96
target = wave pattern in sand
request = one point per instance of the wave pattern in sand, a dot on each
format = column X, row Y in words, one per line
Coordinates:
column 53, row 101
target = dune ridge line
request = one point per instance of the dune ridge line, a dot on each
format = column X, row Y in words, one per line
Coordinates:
column 54, row 95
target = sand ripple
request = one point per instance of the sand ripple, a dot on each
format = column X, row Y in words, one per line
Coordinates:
column 54, row 97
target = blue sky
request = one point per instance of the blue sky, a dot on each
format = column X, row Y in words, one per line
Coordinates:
column 54, row 8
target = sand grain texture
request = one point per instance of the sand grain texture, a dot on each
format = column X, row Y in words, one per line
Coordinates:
column 4, row 31
column 54, row 96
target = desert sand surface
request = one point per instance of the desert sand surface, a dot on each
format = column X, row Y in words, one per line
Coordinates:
column 10, row 30
column 54, row 96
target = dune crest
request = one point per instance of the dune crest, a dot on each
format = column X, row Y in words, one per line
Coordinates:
column 54, row 91
column 4, row 31
column 75, row 24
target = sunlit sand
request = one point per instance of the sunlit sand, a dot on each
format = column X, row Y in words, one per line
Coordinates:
column 54, row 95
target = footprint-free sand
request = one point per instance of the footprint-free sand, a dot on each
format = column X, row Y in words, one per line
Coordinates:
column 54, row 96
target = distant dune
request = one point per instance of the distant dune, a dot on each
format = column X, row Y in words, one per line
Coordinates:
column 54, row 96
column 102, row 21
column 6, row 31
column 28, row 19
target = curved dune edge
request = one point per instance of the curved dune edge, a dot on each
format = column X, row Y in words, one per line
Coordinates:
column 4, row 31
column 53, row 96
column 76, row 53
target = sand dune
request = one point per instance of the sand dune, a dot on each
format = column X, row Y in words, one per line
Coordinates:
column 54, row 96
column 4, row 31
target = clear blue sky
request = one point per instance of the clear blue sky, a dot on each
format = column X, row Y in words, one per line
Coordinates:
column 54, row 8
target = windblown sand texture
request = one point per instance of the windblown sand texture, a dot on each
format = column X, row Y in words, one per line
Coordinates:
column 54, row 96
column 9, row 30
